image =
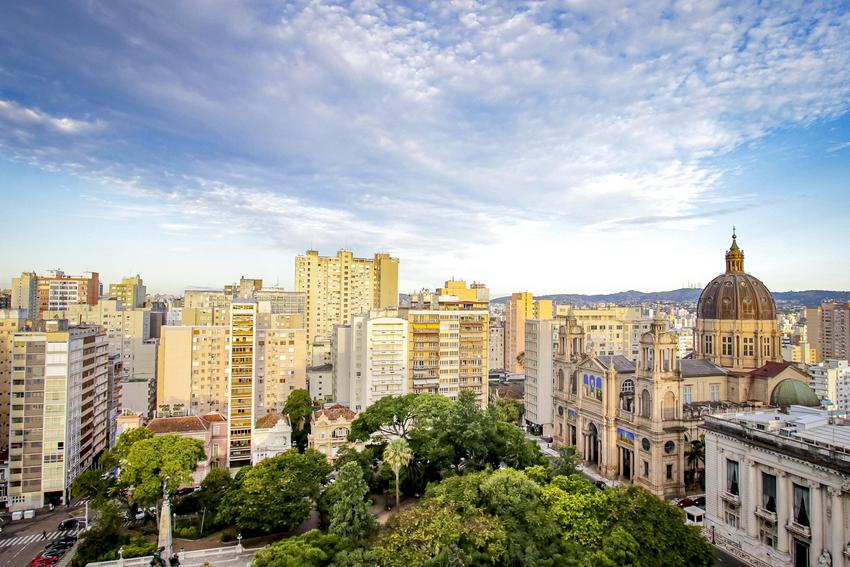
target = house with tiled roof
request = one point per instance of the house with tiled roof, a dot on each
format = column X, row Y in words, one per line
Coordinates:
column 210, row 429
column 329, row 429
column 272, row 436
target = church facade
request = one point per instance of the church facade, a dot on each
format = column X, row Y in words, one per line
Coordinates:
column 635, row 422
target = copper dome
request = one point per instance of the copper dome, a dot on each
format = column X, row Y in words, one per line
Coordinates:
column 735, row 294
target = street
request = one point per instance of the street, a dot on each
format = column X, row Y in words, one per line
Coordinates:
column 21, row 541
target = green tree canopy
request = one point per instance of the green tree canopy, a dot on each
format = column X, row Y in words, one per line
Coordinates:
column 312, row 549
column 276, row 494
column 350, row 517
column 299, row 407
column 567, row 461
column 395, row 416
column 508, row 410
column 149, row 462
column 397, row 454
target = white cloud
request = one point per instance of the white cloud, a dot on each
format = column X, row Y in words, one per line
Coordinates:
column 13, row 113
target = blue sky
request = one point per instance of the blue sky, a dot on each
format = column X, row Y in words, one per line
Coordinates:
column 576, row 146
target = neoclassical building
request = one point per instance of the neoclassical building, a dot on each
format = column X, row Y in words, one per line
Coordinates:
column 635, row 422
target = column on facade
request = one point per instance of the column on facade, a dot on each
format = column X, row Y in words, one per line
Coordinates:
column 783, row 510
column 816, row 521
column 836, row 547
column 750, row 500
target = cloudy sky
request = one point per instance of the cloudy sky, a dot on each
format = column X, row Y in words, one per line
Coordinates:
column 575, row 146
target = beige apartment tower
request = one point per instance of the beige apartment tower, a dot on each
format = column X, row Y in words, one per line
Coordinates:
column 828, row 329
column 519, row 307
column 25, row 293
column 341, row 286
column 240, row 411
column 131, row 292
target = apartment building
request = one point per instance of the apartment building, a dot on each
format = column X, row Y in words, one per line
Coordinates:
column 12, row 321
column 830, row 380
column 242, row 381
column 57, row 290
column 341, row 286
column 497, row 345
column 131, row 292
column 520, row 307
column 541, row 340
column 59, row 411
column 377, row 350
column 828, row 329
column 25, row 293
column 612, row 330
column 281, row 365
column 448, row 345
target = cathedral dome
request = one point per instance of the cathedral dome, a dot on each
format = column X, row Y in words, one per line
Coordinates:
column 793, row 393
column 736, row 295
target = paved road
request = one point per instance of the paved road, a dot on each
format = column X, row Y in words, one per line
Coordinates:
column 21, row 541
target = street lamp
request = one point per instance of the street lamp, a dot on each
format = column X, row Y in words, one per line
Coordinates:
column 239, row 542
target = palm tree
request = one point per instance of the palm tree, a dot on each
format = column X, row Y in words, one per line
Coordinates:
column 696, row 453
column 398, row 455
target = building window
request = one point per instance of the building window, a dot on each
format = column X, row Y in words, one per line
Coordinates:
column 715, row 392
column 801, row 505
column 646, row 468
column 645, row 404
column 768, row 492
column 574, row 383
column 749, row 346
column 686, row 395
column 732, row 516
column 767, row 534
column 765, row 346
column 801, row 553
column 726, row 346
column 709, row 344
column 732, row 477
column 669, row 472
column 561, row 380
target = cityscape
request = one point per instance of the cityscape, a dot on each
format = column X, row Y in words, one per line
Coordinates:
column 350, row 284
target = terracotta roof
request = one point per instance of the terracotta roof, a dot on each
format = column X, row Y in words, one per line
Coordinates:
column 215, row 416
column 771, row 369
column 270, row 420
column 335, row 412
column 190, row 424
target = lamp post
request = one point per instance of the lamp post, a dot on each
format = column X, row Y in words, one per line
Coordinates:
column 239, row 542
column 121, row 556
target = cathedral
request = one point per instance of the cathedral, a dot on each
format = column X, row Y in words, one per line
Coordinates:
column 634, row 421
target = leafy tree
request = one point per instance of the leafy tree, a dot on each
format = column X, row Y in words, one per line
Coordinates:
column 113, row 458
column 214, row 487
column 350, row 515
column 433, row 533
column 365, row 460
column 696, row 454
column 515, row 450
column 396, row 416
column 164, row 460
column 397, row 455
column 94, row 484
column 580, row 512
column 470, row 434
column 509, row 411
column 312, row 549
column 567, row 461
column 538, row 473
column 299, row 407
column 276, row 494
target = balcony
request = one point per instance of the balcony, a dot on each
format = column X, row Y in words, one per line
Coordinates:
column 799, row 529
column 734, row 499
column 765, row 514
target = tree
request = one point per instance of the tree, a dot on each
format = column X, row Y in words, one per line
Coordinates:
column 350, row 517
column 299, row 408
column 213, row 489
column 396, row 416
column 509, row 411
column 567, row 461
column 312, row 549
column 397, row 455
column 112, row 459
column 276, row 494
column 163, row 461
column 95, row 484
column 696, row 454
column 514, row 449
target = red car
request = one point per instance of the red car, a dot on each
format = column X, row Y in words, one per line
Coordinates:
column 44, row 561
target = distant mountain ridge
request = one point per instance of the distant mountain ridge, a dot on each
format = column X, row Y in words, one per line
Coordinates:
column 808, row 298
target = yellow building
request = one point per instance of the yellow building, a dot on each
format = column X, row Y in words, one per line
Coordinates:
column 338, row 287
column 448, row 346
column 25, row 293
column 131, row 292
column 11, row 321
column 329, row 429
column 192, row 369
column 520, row 307
column 610, row 329
column 241, row 385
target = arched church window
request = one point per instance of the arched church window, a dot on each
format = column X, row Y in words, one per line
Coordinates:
column 574, row 383
column 645, row 404
column 561, row 379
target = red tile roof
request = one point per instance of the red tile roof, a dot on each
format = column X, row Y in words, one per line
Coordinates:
column 190, row 424
column 771, row 369
column 335, row 412
column 270, row 420
column 215, row 416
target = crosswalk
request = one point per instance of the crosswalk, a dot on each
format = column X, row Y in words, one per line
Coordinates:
column 30, row 538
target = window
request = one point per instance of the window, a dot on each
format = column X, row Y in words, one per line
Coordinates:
column 732, row 516
column 686, row 395
column 767, row 534
column 726, row 346
column 574, row 383
column 646, row 468
column 801, row 553
column 669, row 472
column 645, row 404
column 732, row 477
column 768, row 492
column 801, row 505
column 561, row 380
column 765, row 346
column 715, row 392
column 749, row 346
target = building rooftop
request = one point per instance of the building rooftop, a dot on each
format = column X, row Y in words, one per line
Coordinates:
column 621, row 364
column 270, row 420
column 189, row 424
column 696, row 367
column 335, row 412
column 806, row 433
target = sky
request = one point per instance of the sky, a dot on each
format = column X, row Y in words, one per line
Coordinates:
column 575, row 146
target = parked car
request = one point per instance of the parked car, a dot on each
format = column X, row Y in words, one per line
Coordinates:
column 69, row 524
column 67, row 538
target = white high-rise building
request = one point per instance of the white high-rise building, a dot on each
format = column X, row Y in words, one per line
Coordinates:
column 831, row 382
column 541, row 339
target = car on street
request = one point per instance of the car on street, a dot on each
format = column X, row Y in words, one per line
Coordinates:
column 69, row 524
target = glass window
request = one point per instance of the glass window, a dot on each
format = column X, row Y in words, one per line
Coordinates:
column 686, row 394
column 709, row 344
column 669, row 472
column 715, row 392
column 768, row 492
column 726, row 346
column 801, row 505
column 732, row 477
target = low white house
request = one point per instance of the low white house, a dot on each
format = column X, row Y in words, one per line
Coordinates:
column 272, row 436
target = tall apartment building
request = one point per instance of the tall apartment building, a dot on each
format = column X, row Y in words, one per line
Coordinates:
column 497, row 345
column 57, row 290
column 611, row 330
column 519, row 307
column 212, row 307
column 59, row 409
column 448, row 345
column 241, row 386
column 192, row 369
column 338, row 287
column 12, row 321
column 131, row 292
column 541, row 340
column 281, row 365
column 25, row 293
column 828, row 329
column 376, row 350
column 205, row 307
column 831, row 382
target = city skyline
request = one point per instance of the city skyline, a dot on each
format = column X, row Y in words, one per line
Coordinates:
column 581, row 149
